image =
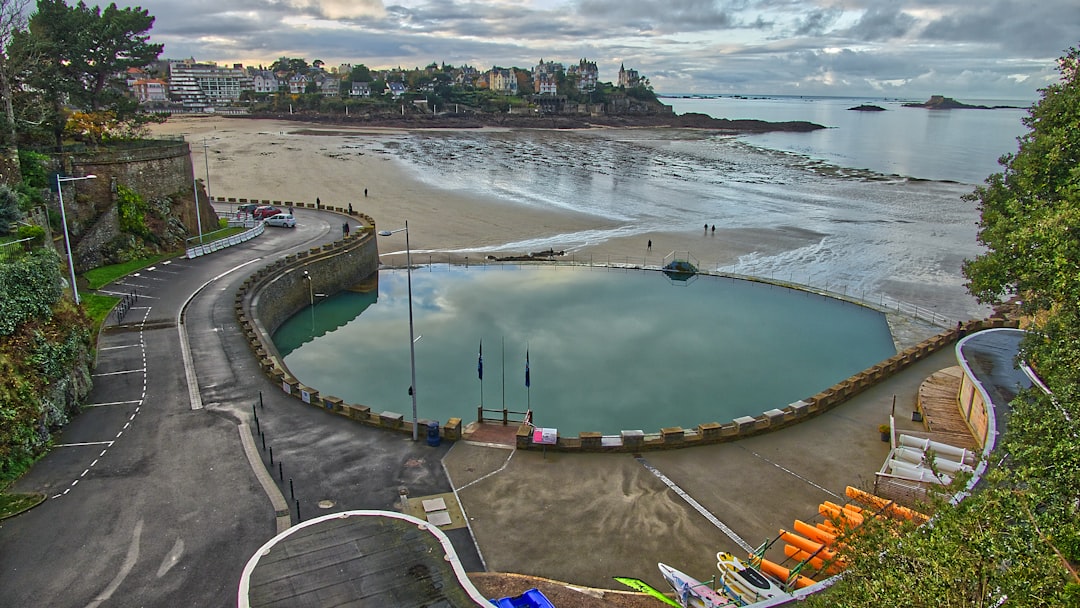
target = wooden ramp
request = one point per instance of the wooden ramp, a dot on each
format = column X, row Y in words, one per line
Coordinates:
column 940, row 408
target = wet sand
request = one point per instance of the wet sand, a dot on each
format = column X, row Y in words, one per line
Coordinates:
column 292, row 161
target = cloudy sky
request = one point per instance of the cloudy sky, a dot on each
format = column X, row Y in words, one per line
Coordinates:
column 967, row 49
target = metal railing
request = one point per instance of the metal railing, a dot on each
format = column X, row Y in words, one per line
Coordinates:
column 12, row 250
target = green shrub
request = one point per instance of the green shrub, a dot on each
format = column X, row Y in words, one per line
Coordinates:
column 31, row 231
column 29, row 286
column 132, row 211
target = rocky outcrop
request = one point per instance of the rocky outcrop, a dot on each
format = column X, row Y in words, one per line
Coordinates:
column 940, row 102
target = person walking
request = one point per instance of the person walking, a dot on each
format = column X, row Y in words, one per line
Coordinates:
column 650, row 245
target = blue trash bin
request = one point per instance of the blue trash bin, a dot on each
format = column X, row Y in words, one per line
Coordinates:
column 433, row 438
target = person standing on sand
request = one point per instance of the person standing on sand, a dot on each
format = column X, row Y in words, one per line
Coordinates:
column 316, row 202
column 650, row 245
column 365, row 192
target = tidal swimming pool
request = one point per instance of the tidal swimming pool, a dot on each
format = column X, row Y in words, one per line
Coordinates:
column 608, row 349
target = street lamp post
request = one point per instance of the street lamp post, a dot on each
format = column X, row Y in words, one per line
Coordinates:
column 67, row 239
column 206, row 163
column 412, row 338
column 311, row 301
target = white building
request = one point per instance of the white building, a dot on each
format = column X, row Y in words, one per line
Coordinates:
column 150, row 90
column 203, row 85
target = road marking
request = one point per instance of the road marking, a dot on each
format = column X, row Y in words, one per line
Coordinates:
column 106, row 404
column 125, row 569
column 127, row 371
column 118, row 347
column 172, row 558
column 75, row 445
column 796, row 475
column 697, row 506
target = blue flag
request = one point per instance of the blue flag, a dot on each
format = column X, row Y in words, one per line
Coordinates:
column 480, row 362
column 527, row 368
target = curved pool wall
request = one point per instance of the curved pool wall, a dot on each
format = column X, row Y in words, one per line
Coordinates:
column 274, row 293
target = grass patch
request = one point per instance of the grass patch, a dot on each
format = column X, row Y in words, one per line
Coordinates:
column 217, row 235
column 13, row 504
column 100, row 277
column 98, row 307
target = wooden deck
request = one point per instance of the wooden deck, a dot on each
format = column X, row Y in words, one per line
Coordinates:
column 940, row 409
column 495, row 434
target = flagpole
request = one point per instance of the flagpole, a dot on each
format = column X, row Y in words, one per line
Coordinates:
column 504, row 372
column 480, row 372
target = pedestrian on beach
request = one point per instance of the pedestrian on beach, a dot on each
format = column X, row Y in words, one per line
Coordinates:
column 650, row 245
column 365, row 192
column 317, row 202
column 706, row 227
column 350, row 208
column 714, row 228
column 345, row 229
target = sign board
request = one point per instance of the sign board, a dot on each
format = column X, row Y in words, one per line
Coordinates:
column 545, row 436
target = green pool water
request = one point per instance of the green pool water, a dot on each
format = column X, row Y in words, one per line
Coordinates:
column 608, row 349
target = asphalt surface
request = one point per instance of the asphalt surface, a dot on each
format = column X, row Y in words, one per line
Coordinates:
column 153, row 503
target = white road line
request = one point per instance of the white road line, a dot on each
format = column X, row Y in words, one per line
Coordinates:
column 110, row 403
column 796, row 475
column 127, row 371
column 76, row 445
column 697, row 506
column 119, row 347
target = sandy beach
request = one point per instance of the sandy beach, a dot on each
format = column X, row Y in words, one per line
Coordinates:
column 294, row 161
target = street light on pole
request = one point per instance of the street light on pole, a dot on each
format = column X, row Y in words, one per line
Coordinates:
column 67, row 239
column 412, row 338
column 206, row 163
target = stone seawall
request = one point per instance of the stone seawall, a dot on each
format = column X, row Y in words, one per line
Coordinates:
column 774, row 419
column 273, row 294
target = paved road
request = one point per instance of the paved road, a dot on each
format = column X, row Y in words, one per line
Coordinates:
column 153, row 503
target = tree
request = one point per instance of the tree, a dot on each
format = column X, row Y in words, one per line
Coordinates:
column 10, row 212
column 12, row 19
column 360, row 73
column 115, row 41
column 1018, row 535
column 74, row 55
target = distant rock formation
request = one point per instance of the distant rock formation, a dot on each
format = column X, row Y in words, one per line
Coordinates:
column 940, row 102
column 868, row 107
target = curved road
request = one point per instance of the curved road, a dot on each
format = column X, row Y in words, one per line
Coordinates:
column 153, row 503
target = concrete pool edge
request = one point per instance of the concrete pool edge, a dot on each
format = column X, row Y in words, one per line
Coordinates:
column 287, row 297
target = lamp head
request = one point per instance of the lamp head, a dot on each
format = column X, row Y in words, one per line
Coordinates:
column 385, row 233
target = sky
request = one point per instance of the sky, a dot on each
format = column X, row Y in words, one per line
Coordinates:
column 910, row 49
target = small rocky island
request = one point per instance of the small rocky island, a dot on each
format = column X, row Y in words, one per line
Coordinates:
column 867, row 107
column 940, row 102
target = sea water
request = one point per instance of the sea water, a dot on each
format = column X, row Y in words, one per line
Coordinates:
column 608, row 349
column 961, row 145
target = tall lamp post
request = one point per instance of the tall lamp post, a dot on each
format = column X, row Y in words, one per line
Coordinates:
column 412, row 338
column 206, row 163
column 67, row 239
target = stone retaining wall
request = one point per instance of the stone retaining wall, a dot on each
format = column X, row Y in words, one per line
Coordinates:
column 269, row 297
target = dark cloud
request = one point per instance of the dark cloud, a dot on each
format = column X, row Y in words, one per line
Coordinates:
column 882, row 23
column 815, row 22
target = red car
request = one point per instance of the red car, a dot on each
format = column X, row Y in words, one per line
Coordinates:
column 261, row 213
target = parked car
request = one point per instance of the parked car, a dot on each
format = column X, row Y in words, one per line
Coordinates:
column 265, row 211
column 246, row 209
column 282, row 220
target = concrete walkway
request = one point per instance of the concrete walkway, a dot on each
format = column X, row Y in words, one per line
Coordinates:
column 583, row 518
